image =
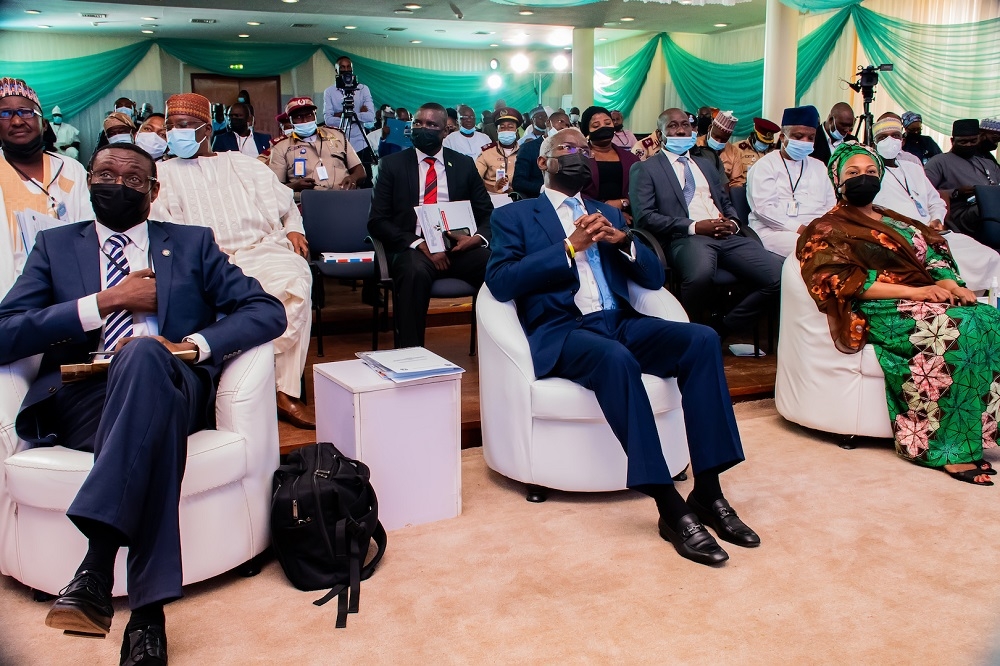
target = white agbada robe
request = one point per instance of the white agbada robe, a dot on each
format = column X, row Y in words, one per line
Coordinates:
column 65, row 135
column 467, row 145
column 977, row 263
column 773, row 206
column 251, row 213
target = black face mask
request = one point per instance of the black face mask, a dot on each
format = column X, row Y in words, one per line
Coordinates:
column 426, row 140
column 238, row 125
column 861, row 190
column 704, row 122
column 602, row 136
column 619, row 127
column 573, row 174
column 118, row 207
column 965, row 151
column 24, row 152
column 987, row 147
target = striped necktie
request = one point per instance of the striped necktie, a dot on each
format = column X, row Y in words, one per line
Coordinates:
column 688, row 179
column 119, row 324
column 593, row 257
column 431, row 185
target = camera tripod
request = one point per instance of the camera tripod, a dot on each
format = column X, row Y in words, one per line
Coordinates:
column 349, row 121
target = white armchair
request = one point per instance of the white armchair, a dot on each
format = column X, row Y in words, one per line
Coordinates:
column 225, row 495
column 816, row 385
column 551, row 433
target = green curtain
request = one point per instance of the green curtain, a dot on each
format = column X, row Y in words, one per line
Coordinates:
column 76, row 83
column 943, row 72
column 410, row 87
column 256, row 59
column 626, row 79
column 739, row 86
column 819, row 5
column 547, row 4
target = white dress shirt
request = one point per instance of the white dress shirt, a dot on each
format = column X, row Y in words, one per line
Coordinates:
column 467, row 145
column 702, row 207
column 906, row 190
column 247, row 145
column 423, row 168
column 137, row 256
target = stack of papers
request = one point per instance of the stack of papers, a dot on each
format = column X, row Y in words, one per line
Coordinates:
column 30, row 222
column 436, row 219
column 401, row 365
column 347, row 257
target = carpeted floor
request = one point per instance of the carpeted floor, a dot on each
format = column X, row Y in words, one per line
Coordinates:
column 865, row 559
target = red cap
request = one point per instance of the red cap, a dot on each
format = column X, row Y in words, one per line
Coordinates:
column 297, row 103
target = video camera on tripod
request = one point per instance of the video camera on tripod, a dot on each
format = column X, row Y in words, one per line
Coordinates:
column 867, row 79
column 348, row 85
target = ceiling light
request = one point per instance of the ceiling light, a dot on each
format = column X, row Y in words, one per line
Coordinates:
column 602, row 39
column 149, row 18
column 721, row 25
column 494, row 81
column 493, row 46
column 494, row 63
column 526, row 12
column 520, row 63
column 416, row 41
column 253, row 22
column 626, row 19
column 147, row 32
column 44, row 26
column 32, row 11
column 560, row 63
column 403, row 11
column 291, row 2
column 244, row 36
column 350, row 27
column 413, row 6
column 685, row 2
column 332, row 39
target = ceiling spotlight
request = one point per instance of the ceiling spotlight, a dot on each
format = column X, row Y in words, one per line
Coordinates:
column 520, row 63
column 350, row 27
column 416, row 41
column 526, row 12
column 32, row 11
column 332, row 39
column 149, row 18
column 494, row 63
column 493, row 46
column 253, row 22
column 602, row 39
column 456, row 10
column 413, row 6
column 291, row 2
column 244, row 36
column 147, row 32
column 685, row 2
column 560, row 63
column 44, row 26
column 494, row 81
column 721, row 25
column 626, row 19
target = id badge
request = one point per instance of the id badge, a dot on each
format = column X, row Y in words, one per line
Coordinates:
column 321, row 172
column 793, row 209
column 920, row 208
column 299, row 167
column 61, row 210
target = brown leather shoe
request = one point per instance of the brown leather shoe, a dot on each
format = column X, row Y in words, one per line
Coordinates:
column 294, row 411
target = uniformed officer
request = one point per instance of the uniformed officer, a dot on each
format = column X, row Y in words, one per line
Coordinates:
column 314, row 157
column 737, row 158
column 496, row 161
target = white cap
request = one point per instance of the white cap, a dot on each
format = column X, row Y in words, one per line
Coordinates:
column 56, row 111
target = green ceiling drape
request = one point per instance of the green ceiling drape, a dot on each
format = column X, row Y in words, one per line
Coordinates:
column 76, row 83
column 626, row 79
column 412, row 86
column 819, row 5
column 939, row 69
column 255, row 59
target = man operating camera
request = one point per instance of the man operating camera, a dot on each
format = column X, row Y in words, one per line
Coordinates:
column 346, row 101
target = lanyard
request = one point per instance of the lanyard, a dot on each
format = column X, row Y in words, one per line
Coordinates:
column 506, row 156
column 904, row 183
column 795, row 186
column 975, row 165
column 43, row 188
column 244, row 141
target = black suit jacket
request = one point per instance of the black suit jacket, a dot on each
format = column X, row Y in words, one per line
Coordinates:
column 821, row 145
column 392, row 219
column 657, row 197
column 195, row 283
column 528, row 179
column 227, row 141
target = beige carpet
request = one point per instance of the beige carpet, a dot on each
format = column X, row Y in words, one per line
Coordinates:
column 865, row 559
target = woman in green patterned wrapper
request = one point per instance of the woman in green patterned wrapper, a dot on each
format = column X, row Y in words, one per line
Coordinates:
column 885, row 279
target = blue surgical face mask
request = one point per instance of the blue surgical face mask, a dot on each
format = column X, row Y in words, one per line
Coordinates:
column 121, row 138
column 467, row 132
column 798, row 150
column 506, row 138
column 679, row 145
column 127, row 110
column 152, row 143
column 182, row 142
column 219, row 126
column 57, row 120
column 369, row 127
column 287, row 131
column 837, row 136
column 715, row 145
column 760, row 146
column 304, row 130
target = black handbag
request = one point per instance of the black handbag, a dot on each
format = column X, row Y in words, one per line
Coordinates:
column 324, row 515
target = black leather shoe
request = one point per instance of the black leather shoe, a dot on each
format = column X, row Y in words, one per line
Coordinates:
column 84, row 606
column 693, row 541
column 723, row 519
column 145, row 647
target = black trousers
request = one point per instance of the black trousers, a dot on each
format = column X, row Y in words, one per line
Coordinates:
column 136, row 421
column 412, row 275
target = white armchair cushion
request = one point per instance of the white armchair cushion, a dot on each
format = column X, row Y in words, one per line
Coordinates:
column 562, row 400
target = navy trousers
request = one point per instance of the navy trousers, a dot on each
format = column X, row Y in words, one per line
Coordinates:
column 136, row 421
column 609, row 353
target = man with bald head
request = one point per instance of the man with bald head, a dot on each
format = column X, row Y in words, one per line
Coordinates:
column 467, row 140
column 836, row 129
column 566, row 262
column 681, row 200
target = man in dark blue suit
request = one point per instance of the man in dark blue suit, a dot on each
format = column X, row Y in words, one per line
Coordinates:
column 147, row 291
column 241, row 136
column 680, row 199
column 566, row 263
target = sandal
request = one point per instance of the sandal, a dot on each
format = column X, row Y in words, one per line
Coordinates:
column 969, row 476
column 984, row 467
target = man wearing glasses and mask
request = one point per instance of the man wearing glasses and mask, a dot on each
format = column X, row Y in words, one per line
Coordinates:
column 30, row 178
column 566, row 262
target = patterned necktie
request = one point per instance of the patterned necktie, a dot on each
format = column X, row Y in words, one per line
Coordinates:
column 593, row 256
column 688, row 179
column 431, row 186
column 119, row 324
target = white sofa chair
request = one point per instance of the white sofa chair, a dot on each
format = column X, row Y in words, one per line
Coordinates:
column 816, row 385
column 551, row 433
column 225, row 495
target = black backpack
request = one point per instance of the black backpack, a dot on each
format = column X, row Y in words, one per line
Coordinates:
column 324, row 514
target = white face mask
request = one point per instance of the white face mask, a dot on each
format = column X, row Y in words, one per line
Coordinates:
column 121, row 138
column 287, row 131
column 889, row 147
column 152, row 143
column 552, row 131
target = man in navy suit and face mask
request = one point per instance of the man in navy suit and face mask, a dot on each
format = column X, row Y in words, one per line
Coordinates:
column 566, row 263
column 141, row 289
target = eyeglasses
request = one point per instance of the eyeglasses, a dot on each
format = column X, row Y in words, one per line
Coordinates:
column 572, row 150
column 138, row 183
column 23, row 114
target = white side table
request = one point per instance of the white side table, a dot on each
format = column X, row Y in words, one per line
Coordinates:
column 408, row 434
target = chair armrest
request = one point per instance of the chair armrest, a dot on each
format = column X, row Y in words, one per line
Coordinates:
column 649, row 239
column 499, row 321
column 656, row 303
column 14, row 382
column 245, row 404
column 381, row 260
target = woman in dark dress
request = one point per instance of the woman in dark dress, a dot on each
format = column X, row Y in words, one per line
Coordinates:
column 609, row 164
